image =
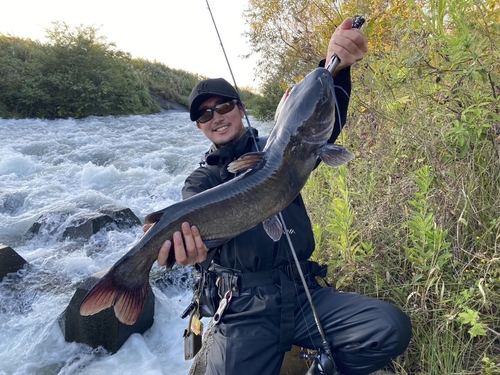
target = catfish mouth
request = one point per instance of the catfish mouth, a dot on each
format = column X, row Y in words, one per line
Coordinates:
column 319, row 137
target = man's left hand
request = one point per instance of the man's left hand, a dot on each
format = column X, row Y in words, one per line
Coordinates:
column 349, row 44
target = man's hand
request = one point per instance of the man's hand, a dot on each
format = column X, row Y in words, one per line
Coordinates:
column 349, row 44
column 188, row 246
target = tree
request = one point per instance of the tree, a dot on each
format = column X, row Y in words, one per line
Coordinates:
column 77, row 74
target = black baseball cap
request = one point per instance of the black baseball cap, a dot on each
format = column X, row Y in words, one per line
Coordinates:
column 205, row 90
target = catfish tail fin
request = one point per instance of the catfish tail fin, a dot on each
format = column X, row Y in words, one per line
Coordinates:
column 127, row 299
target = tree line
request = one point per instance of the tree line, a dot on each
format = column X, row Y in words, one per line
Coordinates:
column 77, row 73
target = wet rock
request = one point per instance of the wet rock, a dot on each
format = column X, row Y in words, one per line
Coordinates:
column 10, row 261
column 11, row 202
column 122, row 216
column 102, row 329
column 86, row 226
column 47, row 224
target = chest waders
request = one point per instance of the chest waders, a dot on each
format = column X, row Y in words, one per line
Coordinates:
column 323, row 360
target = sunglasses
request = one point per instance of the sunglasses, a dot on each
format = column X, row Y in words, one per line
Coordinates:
column 221, row 109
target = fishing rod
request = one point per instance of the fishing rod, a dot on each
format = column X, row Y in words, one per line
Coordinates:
column 357, row 22
column 323, row 360
column 232, row 76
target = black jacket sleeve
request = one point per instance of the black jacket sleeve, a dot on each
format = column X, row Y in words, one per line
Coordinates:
column 199, row 180
column 342, row 84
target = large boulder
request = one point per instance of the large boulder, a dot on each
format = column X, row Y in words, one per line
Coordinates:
column 102, row 329
column 10, row 261
column 84, row 226
column 123, row 217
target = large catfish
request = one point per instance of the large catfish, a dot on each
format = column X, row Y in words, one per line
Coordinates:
column 274, row 177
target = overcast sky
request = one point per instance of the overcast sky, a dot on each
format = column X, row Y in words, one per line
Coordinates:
column 178, row 33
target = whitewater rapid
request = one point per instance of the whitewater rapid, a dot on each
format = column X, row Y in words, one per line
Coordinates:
column 64, row 168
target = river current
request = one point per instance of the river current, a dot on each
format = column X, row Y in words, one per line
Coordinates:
column 65, row 168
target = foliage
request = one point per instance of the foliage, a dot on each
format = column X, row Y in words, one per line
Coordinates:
column 76, row 74
column 290, row 38
column 420, row 204
column 173, row 85
column 264, row 106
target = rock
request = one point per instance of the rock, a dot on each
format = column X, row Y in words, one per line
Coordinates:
column 102, row 329
column 86, row 226
column 47, row 224
column 10, row 261
column 11, row 202
column 167, row 105
column 122, row 216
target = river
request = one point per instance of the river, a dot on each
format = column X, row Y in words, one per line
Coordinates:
column 64, row 168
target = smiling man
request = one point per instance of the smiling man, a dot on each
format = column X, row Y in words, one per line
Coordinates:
column 215, row 106
column 261, row 304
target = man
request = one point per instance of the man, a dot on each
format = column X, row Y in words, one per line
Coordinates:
column 269, row 311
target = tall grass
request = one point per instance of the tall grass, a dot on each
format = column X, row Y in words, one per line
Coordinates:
column 415, row 218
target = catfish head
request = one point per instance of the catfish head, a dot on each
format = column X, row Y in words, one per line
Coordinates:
column 307, row 115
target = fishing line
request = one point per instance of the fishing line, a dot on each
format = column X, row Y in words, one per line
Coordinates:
column 325, row 343
column 292, row 249
column 234, row 80
column 325, row 365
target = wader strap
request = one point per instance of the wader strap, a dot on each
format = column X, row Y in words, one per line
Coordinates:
column 236, row 281
column 287, row 325
column 285, row 276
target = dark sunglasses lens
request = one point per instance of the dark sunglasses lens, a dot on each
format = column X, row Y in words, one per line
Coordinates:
column 225, row 107
column 222, row 109
column 206, row 116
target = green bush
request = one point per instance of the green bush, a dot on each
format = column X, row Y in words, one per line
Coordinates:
column 76, row 74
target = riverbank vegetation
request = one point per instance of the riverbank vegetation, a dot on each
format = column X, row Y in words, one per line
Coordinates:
column 77, row 73
column 414, row 219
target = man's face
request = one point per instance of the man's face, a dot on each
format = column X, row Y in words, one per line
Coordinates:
column 222, row 129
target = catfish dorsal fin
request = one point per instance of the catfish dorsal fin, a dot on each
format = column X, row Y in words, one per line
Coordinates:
column 249, row 160
column 273, row 228
column 335, row 155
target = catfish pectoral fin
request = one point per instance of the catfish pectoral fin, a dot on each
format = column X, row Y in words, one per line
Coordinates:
column 273, row 228
column 128, row 301
column 335, row 155
column 153, row 217
column 246, row 161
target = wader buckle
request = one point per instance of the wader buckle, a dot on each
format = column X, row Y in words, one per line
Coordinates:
column 228, row 281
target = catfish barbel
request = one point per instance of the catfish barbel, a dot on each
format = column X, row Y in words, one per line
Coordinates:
column 275, row 178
